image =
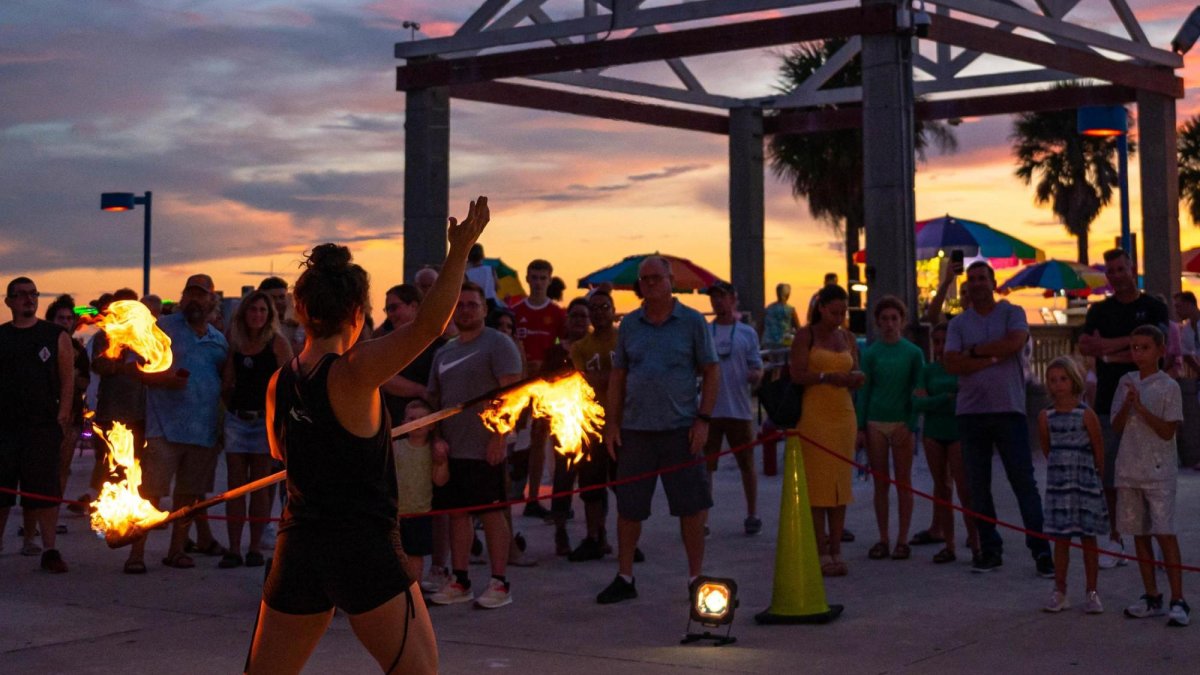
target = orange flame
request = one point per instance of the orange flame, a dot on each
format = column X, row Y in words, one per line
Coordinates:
column 119, row 507
column 569, row 402
column 129, row 324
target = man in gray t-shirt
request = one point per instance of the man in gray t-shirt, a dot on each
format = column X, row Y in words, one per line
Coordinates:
column 477, row 361
column 985, row 347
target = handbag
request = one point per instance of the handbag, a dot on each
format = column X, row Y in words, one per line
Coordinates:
column 781, row 399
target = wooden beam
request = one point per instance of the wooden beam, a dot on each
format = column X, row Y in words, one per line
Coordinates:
column 675, row 44
column 1085, row 64
column 554, row 100
column 795, row 122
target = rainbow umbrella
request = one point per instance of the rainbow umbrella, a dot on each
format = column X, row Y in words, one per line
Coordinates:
column 1056, row 275
column 940, row 236
column 508, row 284
column 688, row 276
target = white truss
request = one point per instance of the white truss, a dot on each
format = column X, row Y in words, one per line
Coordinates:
column 502, row 25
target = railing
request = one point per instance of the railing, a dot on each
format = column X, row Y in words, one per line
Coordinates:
column 1049, row 343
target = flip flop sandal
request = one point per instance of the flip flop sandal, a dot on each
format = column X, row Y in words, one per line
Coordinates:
column 945, row 556
column 829, row 569
column 879, row 551
column 924, row 538
column 179, row 561
column 230, row 561
column 135, row 567
column 901, row 552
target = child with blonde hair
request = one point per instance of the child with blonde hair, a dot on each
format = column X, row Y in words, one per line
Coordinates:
column 1074, row 504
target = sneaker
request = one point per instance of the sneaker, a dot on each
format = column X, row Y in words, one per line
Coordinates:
column 1058, row 602
column 1146, row 606
column 986, row 562
column 1045, row 566
column 522, row 559
column 477, row 552
column 31, row 549
column 451, row 594
column 519, row 540
column 52, row 562
column 1107, row 561
column 435, row 579
column 1179, row 614
column 618, row 591
column 536, row 510
column 1093, row 606
column 588, row 549
column 496, row 595
column 847, row 536
column 752, row 524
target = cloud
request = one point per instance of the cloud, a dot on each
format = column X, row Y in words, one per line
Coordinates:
column 667, row 172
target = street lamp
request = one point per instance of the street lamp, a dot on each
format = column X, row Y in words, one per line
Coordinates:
column 1104, row 122
column 125, row 201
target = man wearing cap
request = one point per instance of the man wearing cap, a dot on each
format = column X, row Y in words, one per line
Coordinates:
column 182, row 416
column 741, row 366
column 656, row 419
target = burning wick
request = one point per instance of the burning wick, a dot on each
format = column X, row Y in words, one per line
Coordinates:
column 129, row 324
column 569, row 402
column 120, row 508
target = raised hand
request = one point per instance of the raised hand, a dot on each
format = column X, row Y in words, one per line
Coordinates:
column 465, row 234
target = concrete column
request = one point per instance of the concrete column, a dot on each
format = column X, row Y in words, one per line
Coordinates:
column 426, row 178
column 888, row 166
column 1160, row 193
column 746, row 207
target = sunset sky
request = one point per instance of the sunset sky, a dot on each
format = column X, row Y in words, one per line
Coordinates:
column 263, row 127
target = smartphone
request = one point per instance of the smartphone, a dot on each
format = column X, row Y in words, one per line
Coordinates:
column 956, row 261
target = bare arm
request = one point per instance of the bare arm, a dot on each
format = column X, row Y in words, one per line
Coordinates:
column 276, row 448
column 798, row 358
column 615, row 411
column 958, row 363
column 1044, row 432
column 66, row 378
column 441, row 463
column 1092, row 423
column 496, row 447
column 1012, row 343
column 1162, row 428
column 228, row 377
column 933, row 311
column 402, row 386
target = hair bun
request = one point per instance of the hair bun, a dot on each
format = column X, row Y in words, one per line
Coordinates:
column 328, row 258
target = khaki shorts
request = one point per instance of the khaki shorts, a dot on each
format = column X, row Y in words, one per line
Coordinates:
column 1146, row 510
column 737, row 432
column 192, row 467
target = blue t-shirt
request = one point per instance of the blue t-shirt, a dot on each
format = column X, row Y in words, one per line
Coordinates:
column 189, row 415
column 661, row 364
column 737, row 350
column 999, row 388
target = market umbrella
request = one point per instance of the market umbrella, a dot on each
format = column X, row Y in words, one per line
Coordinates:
column 508, row 284
column 688, row 276
column 1056, row 275
column 976, row 240
column 1190, row 261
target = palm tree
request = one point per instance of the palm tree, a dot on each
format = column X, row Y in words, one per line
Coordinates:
column 1189, row 167
column 826, row 168
column 1074, row 174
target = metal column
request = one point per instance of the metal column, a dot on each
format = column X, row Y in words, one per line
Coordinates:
column 746, row 207
column 426, row 178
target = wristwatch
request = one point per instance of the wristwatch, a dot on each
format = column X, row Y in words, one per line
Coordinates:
column 821, row 377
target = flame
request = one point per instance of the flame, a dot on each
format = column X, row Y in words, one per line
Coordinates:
column 119, row 507
column 129, row 324
column 569, row 402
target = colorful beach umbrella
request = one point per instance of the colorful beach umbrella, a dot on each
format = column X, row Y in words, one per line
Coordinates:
column 508, row 283
column 688, row 276
column 1056, row 275
column 940, row 236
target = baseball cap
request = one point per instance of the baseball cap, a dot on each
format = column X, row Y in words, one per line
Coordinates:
column 201, row 281
column 722, row 287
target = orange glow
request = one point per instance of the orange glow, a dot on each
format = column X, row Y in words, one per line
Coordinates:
column 115, row 208
column 569, row 402
column 1104, row 132
column 120, row 507
column 129, row 324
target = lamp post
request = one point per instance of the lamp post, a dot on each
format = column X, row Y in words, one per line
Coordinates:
column 125, row 201
column 1107, row 121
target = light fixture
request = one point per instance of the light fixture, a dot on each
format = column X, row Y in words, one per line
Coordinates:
column 713, row 601
column 858, row 287
column 125, row 201
column 413, row 26
column 1112, row 121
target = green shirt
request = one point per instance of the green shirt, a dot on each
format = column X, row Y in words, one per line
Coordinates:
column 892, row 371
column 938, row 406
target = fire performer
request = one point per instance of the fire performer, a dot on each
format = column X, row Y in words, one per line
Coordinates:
column 338, row 541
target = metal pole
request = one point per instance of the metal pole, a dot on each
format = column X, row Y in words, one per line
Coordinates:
column 1123, row 178
column 146, row 248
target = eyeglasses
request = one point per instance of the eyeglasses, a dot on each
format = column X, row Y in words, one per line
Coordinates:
column 24, row 294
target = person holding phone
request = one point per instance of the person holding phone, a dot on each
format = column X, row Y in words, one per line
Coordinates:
column 933, row 311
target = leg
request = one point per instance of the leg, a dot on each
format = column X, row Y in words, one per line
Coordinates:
column 498, row 536
column 1091, row 562
column 385, row 630
column 283, row 642
column 1062, row 556
column 628, row 533
column 414, row 566
column 1169, row 544
column 877, row 453
column 260, row 502
column 1145, row 553
column 1111, row 442
column 740, row 434
column 237, row 465
column 460, row 541
column 47, row 520
column 943, row 489
column 441, row 541
column 691, row 528
column 1012, row 439
column 819, row 518
column 954, row 458
column 903, row 442
column 976, row 431
column 837, row 523
column 538, row 433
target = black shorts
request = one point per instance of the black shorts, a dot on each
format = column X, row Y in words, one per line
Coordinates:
column 29, row 461
column 355, row 571
column 473, row 482
column 416, row 535
column 594, row 468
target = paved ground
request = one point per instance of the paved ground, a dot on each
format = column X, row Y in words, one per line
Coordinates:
column 901, row 616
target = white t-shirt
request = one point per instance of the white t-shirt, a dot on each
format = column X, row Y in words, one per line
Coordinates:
column 1145, row 459
column 485, row 278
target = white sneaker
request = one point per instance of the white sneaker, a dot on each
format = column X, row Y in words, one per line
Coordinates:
column 435, row 579
column 496, row 595
column 1093, row 605
column 1058, row 602
column 1179, row 614
column 451, row 594
column 1107, row 562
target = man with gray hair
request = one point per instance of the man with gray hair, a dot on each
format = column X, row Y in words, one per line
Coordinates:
column 654, row 420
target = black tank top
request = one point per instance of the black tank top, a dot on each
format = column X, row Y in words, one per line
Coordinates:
column 29, row 380
column 251, row 375
column 336, row 480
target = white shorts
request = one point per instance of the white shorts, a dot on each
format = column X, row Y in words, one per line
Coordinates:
column 1146, row 510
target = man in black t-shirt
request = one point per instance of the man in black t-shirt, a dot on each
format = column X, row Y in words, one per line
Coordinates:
column 1105, row 337
column 36, row 387
column 401, row 304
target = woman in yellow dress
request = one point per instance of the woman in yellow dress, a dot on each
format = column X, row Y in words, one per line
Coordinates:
column 824, row 360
